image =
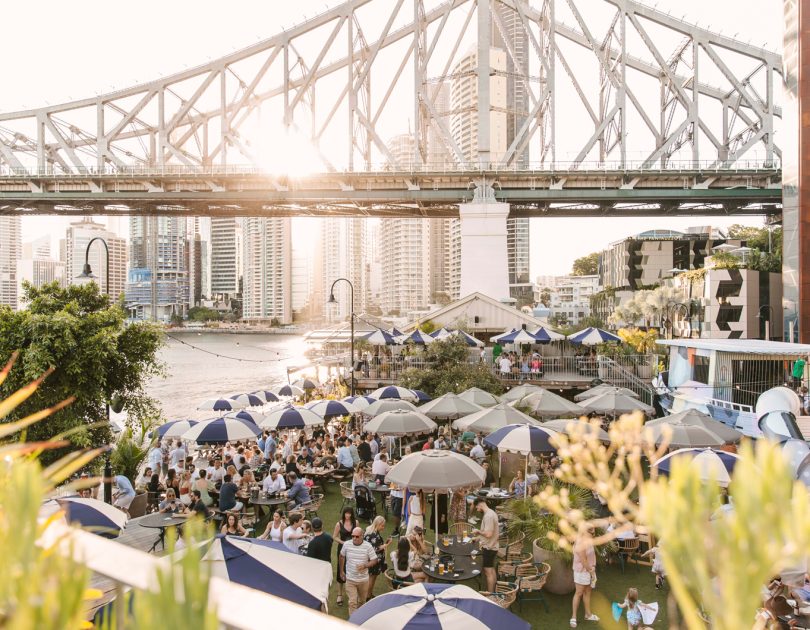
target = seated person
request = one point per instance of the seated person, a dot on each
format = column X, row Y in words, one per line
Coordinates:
column 274, row 482
column 198, row 505
column 518, row 485
column 380, row 468
column 232, row 526
column 171, row 505
column 227, row 496
column 143, row 479
column 298, row 493
column 359, row 476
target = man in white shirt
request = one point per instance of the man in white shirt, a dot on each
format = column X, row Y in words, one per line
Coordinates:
column 293, row 535
column 380, row 468
column 375, row 447
column 505, row 365
column 178, row 456
column 216, row 473
column 273, row 482
column 156, row 458
column 477, row 453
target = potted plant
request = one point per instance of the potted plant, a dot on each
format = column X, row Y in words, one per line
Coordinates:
column 530, row 518
column 127, row 456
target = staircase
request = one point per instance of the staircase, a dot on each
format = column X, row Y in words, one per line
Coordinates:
column 618, row 375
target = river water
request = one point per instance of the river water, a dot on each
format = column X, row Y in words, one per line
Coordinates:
column 247, row 362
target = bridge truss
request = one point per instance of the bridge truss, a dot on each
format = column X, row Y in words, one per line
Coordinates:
column 610, row 105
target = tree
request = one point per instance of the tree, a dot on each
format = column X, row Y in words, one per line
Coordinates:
column 545, row 296
column 450, row 370
column 586, row 266
column 82, row 336
column 203, row 314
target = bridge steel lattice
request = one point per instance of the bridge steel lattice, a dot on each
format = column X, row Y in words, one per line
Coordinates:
column 652, row 113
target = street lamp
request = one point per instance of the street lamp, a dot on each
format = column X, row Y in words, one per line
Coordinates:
column 767, row 321
column 87, row 274
column 332, row 300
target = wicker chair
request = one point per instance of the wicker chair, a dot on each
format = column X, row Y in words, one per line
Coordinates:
column 311, row 508
column 531, row 578
column 513, row 549
column 504, row 595
column 347, row 493
column 628, row 547
column 458, row 529
column 393, row 581
column 507, row 570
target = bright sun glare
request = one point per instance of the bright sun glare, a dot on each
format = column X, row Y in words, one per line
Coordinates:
column 291, row 154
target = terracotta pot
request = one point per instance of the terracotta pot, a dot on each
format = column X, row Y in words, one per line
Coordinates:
column 561, row 578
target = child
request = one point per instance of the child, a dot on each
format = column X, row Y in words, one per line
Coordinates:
column 631, row 603
column 657, row 565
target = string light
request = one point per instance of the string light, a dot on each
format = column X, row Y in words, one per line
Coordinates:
column 225, row 356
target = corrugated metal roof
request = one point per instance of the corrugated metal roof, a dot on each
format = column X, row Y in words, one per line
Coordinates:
column 741, row 346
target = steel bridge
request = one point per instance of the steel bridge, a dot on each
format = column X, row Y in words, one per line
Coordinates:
column 613, row 108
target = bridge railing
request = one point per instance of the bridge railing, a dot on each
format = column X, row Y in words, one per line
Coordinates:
column 471, row 168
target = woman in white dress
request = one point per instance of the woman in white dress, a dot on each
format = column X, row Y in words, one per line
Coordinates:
column 416, row 511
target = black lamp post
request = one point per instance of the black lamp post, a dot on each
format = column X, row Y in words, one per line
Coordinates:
column 332, row 300
column 767, row 321
column 87, row 274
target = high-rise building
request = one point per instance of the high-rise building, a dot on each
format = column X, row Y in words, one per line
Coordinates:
column 158, row 280
column 343, row 252
column 303, row 261
column 267, row 281
column 226, row 253
column 37, row 267
column 77, row 237
column 508, row 111
column 198, row 260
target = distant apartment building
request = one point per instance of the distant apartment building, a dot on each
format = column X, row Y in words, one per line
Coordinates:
column 226, row 254
column 267, row 282
column 77, row 237
column 570, row 296
column 158, row 280
column 37, row 267
column 649, row 257
column 342, row 246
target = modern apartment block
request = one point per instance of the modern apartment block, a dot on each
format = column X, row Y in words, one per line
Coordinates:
column 226, row 255
column 158, row 279
column 342, row 247
column 267, row 280
column 649, row 257
column 570, row 296
column 37, row 267
column 77, row 236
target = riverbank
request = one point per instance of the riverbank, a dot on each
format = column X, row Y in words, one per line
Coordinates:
column 237, row 330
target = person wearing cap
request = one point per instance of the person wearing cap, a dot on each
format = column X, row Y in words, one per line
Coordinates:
column 320, row 547
column 488, row 537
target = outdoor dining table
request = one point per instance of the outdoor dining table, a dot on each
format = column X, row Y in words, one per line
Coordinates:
column 457, row 546
column 382, row 490
column 269, row 502
column 161, row 521
column 465, row 568
column 493, row 496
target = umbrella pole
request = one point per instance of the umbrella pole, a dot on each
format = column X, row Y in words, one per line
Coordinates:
column 436, row 513
column 526, row 480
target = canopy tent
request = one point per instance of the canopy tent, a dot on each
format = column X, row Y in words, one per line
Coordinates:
column 467, row 338
column 592, row 337
column 417, row 337
column 546, row 404
column 435, row 607
column 380, row 337
column 448, row 407
column 441, row 333
column 691, row 429
column 515, row 336
column 479, row 397
column 221, row 430
column 546, row 335
column 271, row 568
column 488, row 420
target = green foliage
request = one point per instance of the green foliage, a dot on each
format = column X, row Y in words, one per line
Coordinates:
column 725, row 260
column 545, row 296
column 450, row 371
column 203, row 314
column 586, row 265
column 641, row 341
column 427, row 326
column 96, row 355
column 558, row 320
column 127, row 456
column 275, row 322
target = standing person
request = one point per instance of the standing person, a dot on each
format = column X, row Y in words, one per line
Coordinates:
column 156, row 458
column 584, row 576
column 293, row 535
column 458, row 505
column 320, row 547
column 416, row 511
column 364, row 450
column 270, row 446
column 373, row 536
column 657, row 564
column 343, row 533
column 504, row 365
column 488, row 537
column 798, row 372
column 397, row 499
column 356, row 557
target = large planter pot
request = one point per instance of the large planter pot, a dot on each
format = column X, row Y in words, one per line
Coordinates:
column 561, row 577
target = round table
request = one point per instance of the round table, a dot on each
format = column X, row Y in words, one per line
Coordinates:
column 457, row 547
column 383, row 489
column 270, row 502
column 162, row 522
column 466, row 568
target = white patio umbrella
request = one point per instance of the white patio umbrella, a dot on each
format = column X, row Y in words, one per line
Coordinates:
column 290, row 417
column 396, row 392
column 546, row 404
column 569, row 426
column 448, row 407
column 222, row 404
column 479, row 397
column 489, row 420
column 603, row 389
column 525, row 439
column 439, row 471
column 521, row 391
column 221, row 430
column 400, row 422
column 691, row 429
column 614, row 404
column 386, row 404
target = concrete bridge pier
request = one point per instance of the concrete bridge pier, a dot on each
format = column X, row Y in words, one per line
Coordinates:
column 484, row 262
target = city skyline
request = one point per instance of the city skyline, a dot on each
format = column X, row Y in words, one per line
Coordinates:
column 547, row 255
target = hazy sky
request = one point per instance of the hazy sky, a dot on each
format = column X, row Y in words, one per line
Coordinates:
column 69, row 50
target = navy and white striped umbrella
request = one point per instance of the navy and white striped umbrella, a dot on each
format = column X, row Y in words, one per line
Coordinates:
column 380, row 337
column 435, row 607
column 441, row 333
column 712, row 465
column 221, row 404
column 94, row 515
column 252, row 416
column 417, row 337
column 174, row 428
column 421, row 396
column 467, row 338
column 395, row 333
column 394, row 391
column 249, row 400
column 515, row 336
column 360, row 402
column 307, row 383
column 592, row 337
column 546, row 335
column 289, row 391
column 327, row 409
column 271, row 568
column 290, row 417
column 267, row 395
column 522, row 438
column 221, row 430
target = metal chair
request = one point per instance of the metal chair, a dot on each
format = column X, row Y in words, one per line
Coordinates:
column 531, row 578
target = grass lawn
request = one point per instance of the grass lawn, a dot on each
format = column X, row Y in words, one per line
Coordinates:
column 612, row 586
